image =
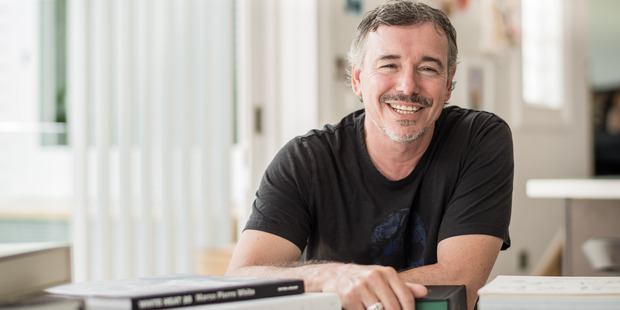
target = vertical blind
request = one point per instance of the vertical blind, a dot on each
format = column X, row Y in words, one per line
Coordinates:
column 150, row 91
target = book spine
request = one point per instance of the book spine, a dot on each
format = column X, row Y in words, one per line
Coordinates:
column 202, row 297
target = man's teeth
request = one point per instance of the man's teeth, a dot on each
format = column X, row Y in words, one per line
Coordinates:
column 404, row 109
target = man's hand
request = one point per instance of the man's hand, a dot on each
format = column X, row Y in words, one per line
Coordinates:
column 265, row 255
column 360, row 286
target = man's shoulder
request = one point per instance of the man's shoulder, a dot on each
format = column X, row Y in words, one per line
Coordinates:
column 456, row 112
column 468, row 129
column 348, row 126
column 332, row 138
column 454, row 116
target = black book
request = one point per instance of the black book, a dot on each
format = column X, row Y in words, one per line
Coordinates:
column 443, row 297
column 162, row 292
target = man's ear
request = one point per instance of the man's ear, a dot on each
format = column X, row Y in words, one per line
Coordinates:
column 450, row 84
column 356, row 83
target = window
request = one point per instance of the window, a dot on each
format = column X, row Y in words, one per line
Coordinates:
column 35, row 166
column 53, row 68
column 542, row 53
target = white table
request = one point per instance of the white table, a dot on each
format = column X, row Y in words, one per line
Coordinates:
column 598, row 189
column 592, row 211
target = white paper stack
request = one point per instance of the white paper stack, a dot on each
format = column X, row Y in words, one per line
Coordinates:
column 544, row 293
column 28, row 268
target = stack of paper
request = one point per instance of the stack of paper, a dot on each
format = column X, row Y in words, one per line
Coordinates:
column 28, row 268
column 566, row 293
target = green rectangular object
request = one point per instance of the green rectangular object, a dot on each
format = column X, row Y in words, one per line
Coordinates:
column 443, row 297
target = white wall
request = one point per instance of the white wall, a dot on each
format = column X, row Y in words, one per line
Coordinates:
column 277, row 84
column 336, row 29
column 547, row 147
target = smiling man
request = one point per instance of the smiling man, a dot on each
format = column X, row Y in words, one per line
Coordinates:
column 404, row 193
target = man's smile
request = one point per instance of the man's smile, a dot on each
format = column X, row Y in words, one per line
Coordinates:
column 403, row 109
column 406, row 109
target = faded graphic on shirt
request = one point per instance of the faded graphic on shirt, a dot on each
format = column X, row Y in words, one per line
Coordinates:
column 395, row 245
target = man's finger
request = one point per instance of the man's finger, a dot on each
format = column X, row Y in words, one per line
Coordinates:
column 418, row 290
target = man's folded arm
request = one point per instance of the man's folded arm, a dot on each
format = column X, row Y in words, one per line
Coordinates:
column 464, row 259
column 257, row 251
column 261, row 254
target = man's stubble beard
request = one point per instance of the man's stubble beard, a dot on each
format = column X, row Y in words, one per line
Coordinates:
column 409, row 138
column 413, row 98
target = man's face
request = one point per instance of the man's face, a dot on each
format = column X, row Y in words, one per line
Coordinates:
column 404, row 79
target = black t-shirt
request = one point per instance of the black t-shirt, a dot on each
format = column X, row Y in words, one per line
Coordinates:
column 323, row 193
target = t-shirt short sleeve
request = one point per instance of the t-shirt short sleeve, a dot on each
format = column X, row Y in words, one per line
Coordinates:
column 482, row 197
column 281, row 205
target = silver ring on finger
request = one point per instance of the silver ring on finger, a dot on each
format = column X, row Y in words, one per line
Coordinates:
column 376, row 306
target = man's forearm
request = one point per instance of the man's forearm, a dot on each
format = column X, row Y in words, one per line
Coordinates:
column 438, row 275
column 313, row 273
column 427, row 275
column 466, row 259
column 358, row 286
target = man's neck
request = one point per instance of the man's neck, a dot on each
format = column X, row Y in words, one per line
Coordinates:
column 395, row 160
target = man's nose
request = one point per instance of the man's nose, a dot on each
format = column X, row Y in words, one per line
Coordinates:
column 408, row 82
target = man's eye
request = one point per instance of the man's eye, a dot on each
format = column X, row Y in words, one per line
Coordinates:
column 429, row 71
column 390, row 66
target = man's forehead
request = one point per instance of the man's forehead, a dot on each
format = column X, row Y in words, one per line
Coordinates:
column 426, row 28
column 390, row 41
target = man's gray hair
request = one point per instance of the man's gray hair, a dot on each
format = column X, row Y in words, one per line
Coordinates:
column 401, row 13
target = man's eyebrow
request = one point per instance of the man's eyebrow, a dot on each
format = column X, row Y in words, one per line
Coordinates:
column 424, row 59
column 388, row 57
column 435, row 60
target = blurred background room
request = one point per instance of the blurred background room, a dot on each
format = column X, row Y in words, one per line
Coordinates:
column 138, row 130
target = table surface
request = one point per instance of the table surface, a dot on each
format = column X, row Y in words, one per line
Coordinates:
column 574, row 188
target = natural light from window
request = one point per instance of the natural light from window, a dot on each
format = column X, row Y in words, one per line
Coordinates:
column 542, row 56
column 35, row 160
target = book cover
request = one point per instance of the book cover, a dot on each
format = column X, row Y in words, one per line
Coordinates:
column 306, row 301
column 443, row 297
column 29, row 268
column 162, row 292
